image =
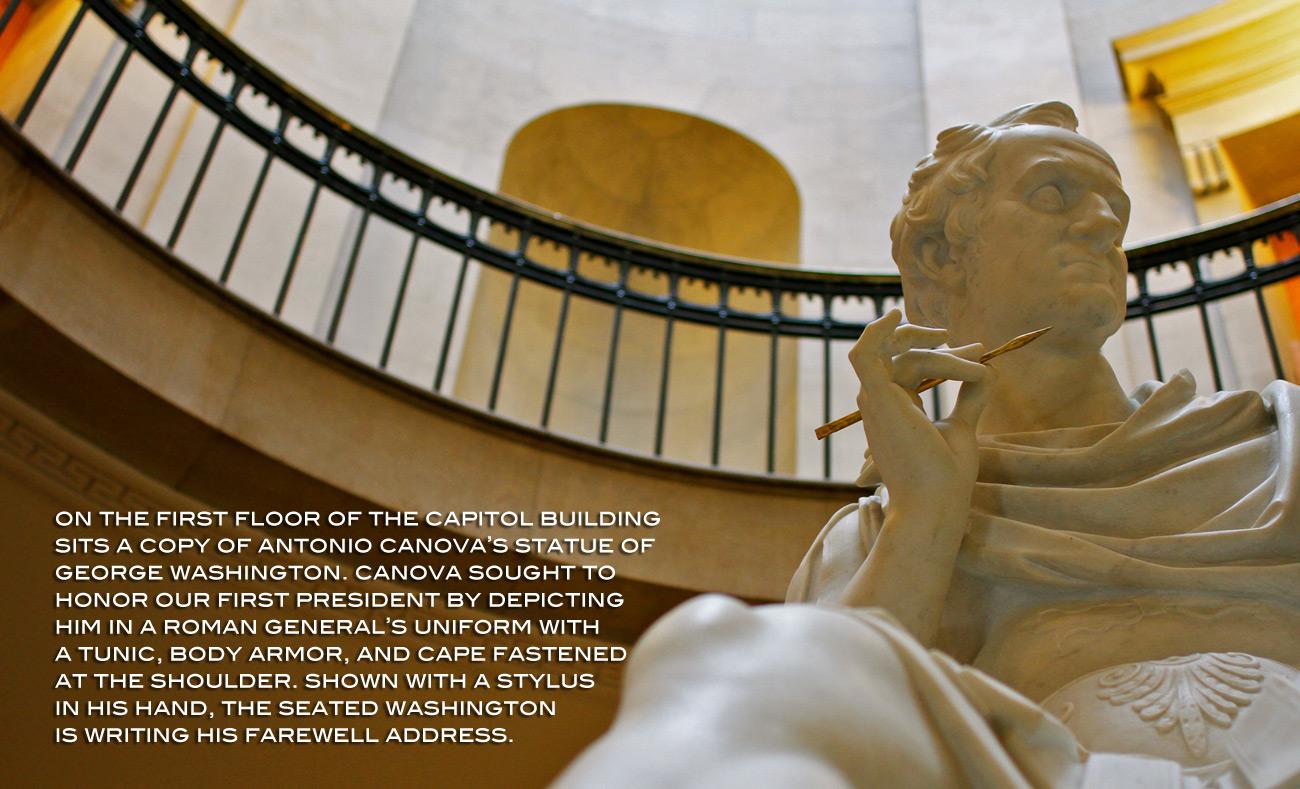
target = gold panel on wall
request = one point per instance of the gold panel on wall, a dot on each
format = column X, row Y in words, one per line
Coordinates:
column 1229, row 71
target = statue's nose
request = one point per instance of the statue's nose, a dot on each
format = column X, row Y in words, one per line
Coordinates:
column 1096, row 222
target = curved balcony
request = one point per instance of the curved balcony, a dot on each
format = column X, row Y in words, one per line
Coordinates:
column 396, row 226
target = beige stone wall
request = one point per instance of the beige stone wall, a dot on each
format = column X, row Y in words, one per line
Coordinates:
column 831, row 88
column 652, row 174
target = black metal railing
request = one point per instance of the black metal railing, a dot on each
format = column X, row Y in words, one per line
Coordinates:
column 794, row 313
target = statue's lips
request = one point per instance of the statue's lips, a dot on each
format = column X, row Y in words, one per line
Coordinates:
column 1087, row 268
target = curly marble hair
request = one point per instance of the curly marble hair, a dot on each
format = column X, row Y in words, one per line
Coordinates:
column 942, row 204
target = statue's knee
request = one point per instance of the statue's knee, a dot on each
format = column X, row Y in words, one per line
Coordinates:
column 789, row 649
column 712, row 612
column 710, row 679
column 707, row 618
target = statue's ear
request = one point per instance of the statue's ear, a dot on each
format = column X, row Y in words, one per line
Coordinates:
column 938, row 264
column 934, row 256
column 926, row 299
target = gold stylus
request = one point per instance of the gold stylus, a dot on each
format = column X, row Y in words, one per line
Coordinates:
column 930, row 383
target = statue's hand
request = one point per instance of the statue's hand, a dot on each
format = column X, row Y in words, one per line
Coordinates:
column 925, row 465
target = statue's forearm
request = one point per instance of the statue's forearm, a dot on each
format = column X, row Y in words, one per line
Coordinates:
column 910, row 568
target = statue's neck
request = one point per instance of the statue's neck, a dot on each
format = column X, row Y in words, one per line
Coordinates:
column 1045, row 388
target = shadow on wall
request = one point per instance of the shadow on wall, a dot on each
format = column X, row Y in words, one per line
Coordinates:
column 671, row 178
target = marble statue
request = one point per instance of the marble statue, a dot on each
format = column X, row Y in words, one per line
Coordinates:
column 1057, row 585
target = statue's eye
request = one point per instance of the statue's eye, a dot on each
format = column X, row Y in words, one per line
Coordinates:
column 1047, row 198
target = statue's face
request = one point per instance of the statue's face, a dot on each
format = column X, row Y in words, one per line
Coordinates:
column 1048, row 248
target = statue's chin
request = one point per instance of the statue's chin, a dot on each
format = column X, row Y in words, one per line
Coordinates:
column 1091, row 317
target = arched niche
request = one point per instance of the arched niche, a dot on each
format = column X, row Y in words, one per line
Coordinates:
column 668, row 177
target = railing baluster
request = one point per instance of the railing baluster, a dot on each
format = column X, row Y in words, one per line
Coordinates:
column 149, row 141
column 310, row 211
column 1144, row 301
column 560, row 326
column 773, row 370
column 715, row 450
column 661, row 409
column 104, row 96
column 400, row 298
column 252, row 199
column 521, row 257
column 471, row 239
column 611, row 364
column 451, row 324
column 195, row 184
column 1248, row 255
column 199, row 175
column 10, row 8
column 346, row 286
column 48, row 71
column 826, row 383
column 1198, row 287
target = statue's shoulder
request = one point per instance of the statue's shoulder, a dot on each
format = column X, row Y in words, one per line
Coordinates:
column 1282, row 388
column 837, row 552
column 1179, row 395
column 1282, row 398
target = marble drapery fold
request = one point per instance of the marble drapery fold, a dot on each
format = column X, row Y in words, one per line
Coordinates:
column 1164, row 546
column 1191, row 496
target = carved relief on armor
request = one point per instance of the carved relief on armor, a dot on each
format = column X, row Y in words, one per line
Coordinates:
column 1198, row 710
column 1186, row 692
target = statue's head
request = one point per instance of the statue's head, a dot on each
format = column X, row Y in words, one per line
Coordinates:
column 1012, row 226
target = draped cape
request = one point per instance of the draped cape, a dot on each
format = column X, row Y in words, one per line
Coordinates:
column 1189, row 494
column 1195, row 497
column 1188, row 498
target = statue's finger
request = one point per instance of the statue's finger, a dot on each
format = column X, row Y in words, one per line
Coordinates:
column 972, row 398
column 882, row 329
column 973, row 351
column 869, row 355
column 909, row 336
column 892, row 417
column 913, row 367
